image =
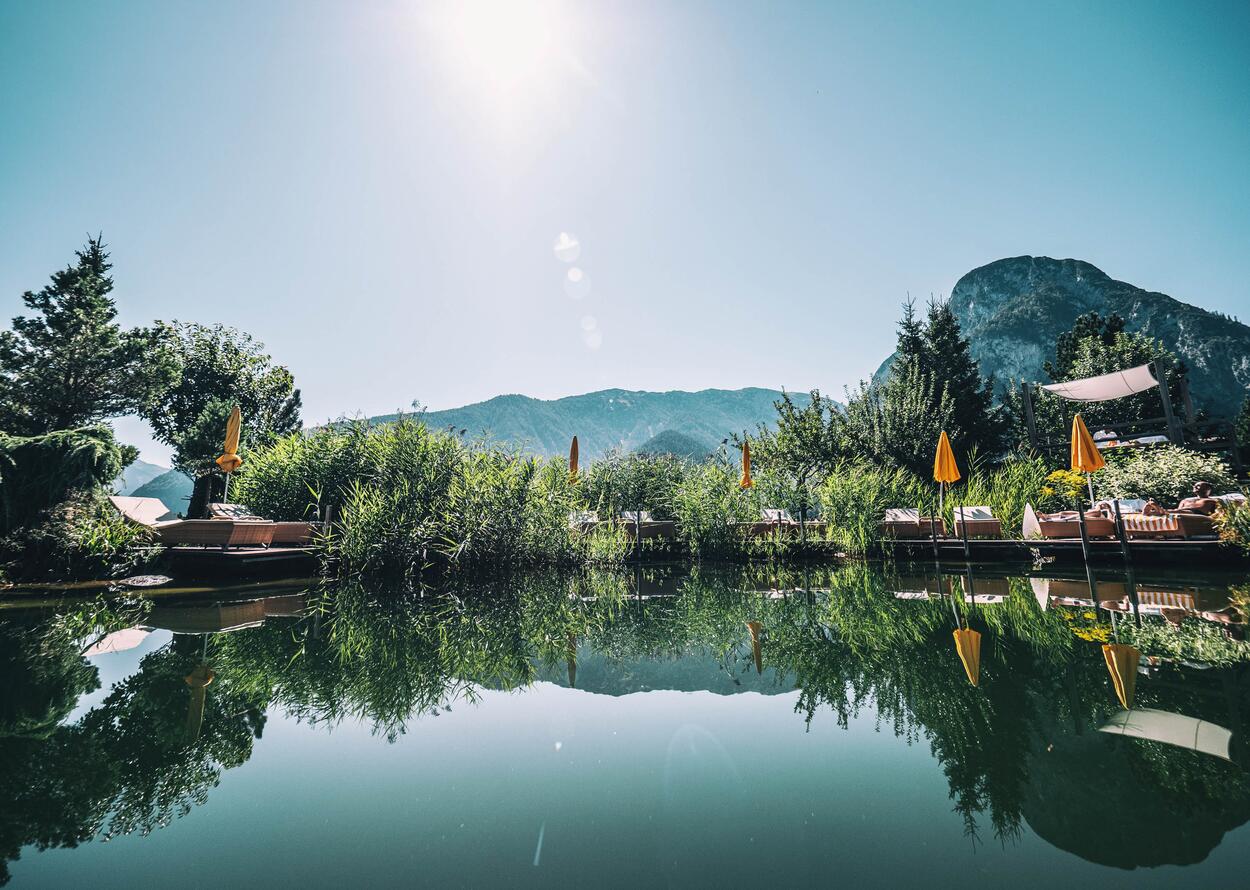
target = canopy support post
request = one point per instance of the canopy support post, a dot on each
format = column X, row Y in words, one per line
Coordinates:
column 1187, row 400
column 1029, row 421
column 1175, row 435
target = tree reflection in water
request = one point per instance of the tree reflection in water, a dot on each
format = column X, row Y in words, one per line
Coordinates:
column 1021, row 747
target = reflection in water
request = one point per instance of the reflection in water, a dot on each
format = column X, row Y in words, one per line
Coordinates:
column 1037, row 715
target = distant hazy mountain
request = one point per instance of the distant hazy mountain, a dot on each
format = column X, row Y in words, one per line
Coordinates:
column 676, row 444
column 137, row 474
column 611, row 418
column 691, row 672
column 172, row 487
column 1014, row 309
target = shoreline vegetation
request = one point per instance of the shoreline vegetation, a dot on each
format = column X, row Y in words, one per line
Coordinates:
column 407, row 500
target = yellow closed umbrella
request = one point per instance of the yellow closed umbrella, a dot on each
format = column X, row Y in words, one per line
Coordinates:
column 968, row 645
column 1086, row 458
column 230, row 460
column 573, row 460
column 757, row 651
column 1122, row 661
column 747, row 481
column 945, row 470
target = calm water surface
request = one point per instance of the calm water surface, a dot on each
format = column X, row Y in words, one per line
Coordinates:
column 767, row 728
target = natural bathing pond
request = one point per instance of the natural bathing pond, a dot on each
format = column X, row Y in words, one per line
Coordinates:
column 665, row 727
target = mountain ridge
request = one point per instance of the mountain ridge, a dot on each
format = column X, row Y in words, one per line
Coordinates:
column 606, row 419
column 1012, row 311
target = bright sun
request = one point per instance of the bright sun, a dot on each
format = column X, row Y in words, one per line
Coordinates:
column 504, row 48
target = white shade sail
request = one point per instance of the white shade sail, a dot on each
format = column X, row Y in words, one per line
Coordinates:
column 1171, row 729
column 1105, row 387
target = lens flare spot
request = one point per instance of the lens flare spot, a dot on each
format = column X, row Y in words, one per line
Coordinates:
column 577, row 283
column 566, row 247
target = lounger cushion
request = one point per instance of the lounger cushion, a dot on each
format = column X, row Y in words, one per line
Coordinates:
column 237, row 512
column 905, row 514
column 973, row 513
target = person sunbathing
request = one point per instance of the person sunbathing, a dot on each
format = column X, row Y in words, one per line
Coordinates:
column 1201, row 502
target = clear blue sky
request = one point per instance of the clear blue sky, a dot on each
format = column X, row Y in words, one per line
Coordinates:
column 374, row 189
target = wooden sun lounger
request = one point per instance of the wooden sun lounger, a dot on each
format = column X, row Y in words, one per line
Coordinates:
column 1096, row 527
column 911, row 528
column 979, row 521
column 1174, row 525
column 216, row 533
column 294, row 534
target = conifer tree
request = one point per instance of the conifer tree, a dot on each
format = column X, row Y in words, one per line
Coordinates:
column 70, row 364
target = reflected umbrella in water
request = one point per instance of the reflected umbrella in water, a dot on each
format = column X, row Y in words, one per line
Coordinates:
column 1122, row 661
column 968, row 647
column 572, row 660
column 757, row 651
column 199, row 678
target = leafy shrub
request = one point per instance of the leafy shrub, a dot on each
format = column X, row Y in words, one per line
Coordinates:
column 39, row 473
column 857, row 495
column 1166, row 473
column 705, row 502
column 1061, row 490
column 630, row 481
column 82, row 538
column 1233, row 523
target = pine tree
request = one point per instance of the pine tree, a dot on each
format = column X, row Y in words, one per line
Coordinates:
column 947, row 361
column 71, row 364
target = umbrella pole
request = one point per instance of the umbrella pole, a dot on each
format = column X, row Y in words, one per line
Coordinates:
column 225, row 498
column 1089, row 480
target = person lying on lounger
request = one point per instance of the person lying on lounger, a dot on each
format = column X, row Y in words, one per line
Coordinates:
column 1201, row 502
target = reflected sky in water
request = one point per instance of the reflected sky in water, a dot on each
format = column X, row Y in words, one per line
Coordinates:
column 614, row 729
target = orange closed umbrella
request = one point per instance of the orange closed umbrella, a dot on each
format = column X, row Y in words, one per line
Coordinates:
column 1122, row 664
column 1086, row 458
column 945, row 470
column 573, row 460
column 968, row 645
column 747, row 481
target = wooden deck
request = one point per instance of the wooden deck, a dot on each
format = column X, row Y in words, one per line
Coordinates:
column 1176, row 553
column 208, row 562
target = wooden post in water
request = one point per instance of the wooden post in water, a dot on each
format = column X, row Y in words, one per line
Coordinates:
column 1123, row 536
column 1080, row 515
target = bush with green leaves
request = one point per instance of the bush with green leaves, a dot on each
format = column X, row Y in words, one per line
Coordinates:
column 705, row 502
column 856, row 496
column 631, row 481
column 1166, row 473
column 80, row 539
column 1233, row 523
column 38, row 473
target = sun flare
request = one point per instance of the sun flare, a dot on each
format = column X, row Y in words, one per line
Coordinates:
column 504, row 49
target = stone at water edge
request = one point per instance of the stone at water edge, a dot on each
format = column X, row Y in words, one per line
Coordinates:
column 144, row 581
